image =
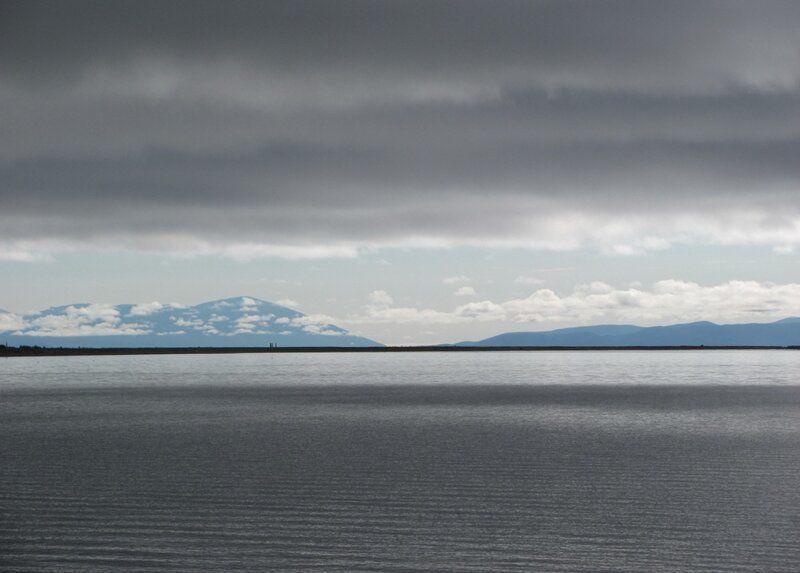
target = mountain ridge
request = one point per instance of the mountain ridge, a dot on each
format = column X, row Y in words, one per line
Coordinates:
column 785, row 332
column 242, row 321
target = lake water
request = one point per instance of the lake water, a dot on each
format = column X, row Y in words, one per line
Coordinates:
column 490, row 461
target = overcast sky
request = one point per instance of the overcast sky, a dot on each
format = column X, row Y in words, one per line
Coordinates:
column 412, row 169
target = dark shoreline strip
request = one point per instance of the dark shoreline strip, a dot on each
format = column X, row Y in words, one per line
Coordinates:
column 42, row 351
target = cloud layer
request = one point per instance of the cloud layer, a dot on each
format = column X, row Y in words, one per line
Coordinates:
column 665, row 302
column 319, row 129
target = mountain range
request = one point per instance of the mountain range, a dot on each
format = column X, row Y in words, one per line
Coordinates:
column 784, row 332
column 249, row 322
column 233, row 322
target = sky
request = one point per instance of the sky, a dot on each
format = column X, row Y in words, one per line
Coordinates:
column 418, row 172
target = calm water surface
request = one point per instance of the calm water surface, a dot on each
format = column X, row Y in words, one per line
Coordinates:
column 549, row 461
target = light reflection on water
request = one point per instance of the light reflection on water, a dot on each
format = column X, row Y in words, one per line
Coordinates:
column 735, row 367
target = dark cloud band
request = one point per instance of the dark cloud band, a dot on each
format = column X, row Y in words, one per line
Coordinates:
column 307, row 123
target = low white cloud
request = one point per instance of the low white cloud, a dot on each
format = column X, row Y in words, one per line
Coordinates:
column 466, row 291
column 93, row 313
column 380, row 299
column 249, row 251
column 403, row 315
column 188, row 323
column 309, row 319
column 316, row 324
column 288, row 302
column 456, row 280
column 146, row 308
column 25, row 253
column 523, row 280
column 10, row 321
column 323, row 330
column 253, row 323
column 665, row 302
column 89, row 320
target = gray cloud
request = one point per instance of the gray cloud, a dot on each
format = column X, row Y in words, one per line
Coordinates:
column 272, row 127
column 680, row 42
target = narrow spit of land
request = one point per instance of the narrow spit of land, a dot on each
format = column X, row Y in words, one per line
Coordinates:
column 7, row 351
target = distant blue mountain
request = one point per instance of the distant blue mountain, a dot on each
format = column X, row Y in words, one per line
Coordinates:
column 232, row 322
column 784, row 332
